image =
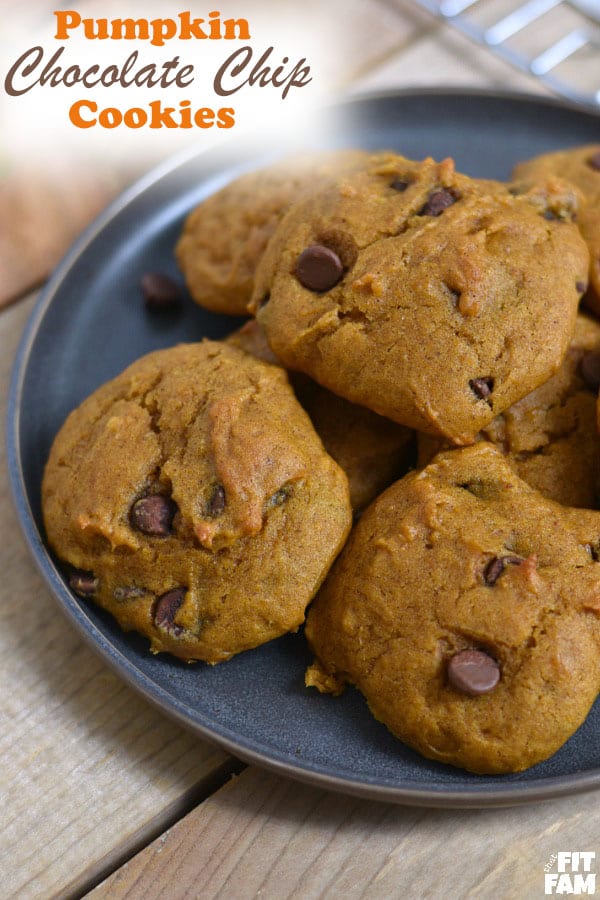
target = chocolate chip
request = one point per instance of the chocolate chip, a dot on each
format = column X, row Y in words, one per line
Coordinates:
column 589, row 369
column 216, row 504
column 550, row 216
column 153, row 515
column 496, row 567
column 594, row 161
column 399, row 185
column 437, row 203
column 85, row 584
column 166, row 610
column 161, row 293
column 473, row 672
column 580, row 287
column 482, row 387
column 319, row 268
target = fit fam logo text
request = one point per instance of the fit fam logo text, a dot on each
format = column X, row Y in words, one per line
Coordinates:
column 573, row 873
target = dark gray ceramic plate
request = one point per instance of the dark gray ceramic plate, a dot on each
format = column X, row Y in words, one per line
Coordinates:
column 90, row 323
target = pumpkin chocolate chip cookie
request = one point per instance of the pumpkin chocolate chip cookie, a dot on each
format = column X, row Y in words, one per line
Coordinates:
column 466, row 608
column 372, row 451
column 225, row 236
column 192, row 499
column 581, row 167
column 550, row 437
column 432, row 298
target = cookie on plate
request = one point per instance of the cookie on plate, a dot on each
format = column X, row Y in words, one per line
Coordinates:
column 372, row 451
column 224, row 237
column 432, row 298
column 192, row 499
column 581, row 167
column 465, row 607
column 550, row 436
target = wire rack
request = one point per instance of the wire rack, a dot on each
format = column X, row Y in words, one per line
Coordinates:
column 557, row 41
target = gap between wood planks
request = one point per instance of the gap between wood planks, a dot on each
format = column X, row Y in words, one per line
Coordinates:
column 149, row 832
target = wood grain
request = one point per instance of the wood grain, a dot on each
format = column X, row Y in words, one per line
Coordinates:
column 42, row 211
column 262, row 836
column 89, row 770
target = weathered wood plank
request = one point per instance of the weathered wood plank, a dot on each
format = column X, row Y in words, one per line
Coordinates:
column 262, row 836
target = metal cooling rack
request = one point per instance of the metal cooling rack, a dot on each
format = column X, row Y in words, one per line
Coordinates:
column 557, row 41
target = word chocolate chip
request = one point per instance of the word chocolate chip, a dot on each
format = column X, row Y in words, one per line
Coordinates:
column 473, row 672
column 216, row 504
column 496, row 567
column 166, row 610
column 437, row 203
column 85, row 584
column 594, row 161
column 319, row 268
column 161, row 293
column 589, row 369
column 482, row 387
column 153, row 515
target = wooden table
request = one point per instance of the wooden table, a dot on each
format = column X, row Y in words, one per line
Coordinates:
column 102, row 793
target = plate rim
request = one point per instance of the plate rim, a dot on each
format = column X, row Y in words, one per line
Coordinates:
column 512, row 793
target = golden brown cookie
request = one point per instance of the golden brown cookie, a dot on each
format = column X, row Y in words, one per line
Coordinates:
column 372, row 451
column 581, row 167
column 192, row 499
column 465, row 607
column 224, row 237
column 433, row 299
column 551, row 437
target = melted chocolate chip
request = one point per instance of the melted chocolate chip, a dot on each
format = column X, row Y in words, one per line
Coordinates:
column 482, row 387
column 161, row 293
column 496, row 567
column 85, row 584
column 437, row 203
column 216, row 504
column 166, row 610
column 589, row 369
column 473, row 672
column 153, row 515
column 398, row 184
column 319, row 268
column 594, row 161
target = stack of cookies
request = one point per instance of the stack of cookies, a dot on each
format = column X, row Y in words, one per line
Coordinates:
column 405, row 430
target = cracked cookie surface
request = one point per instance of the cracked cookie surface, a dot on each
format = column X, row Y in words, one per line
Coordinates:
column 581, row 167
column 550, row 437
column 465, row 607
column 191, row 498
column 432, row 298
column 224, row 237
column 372, row 451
